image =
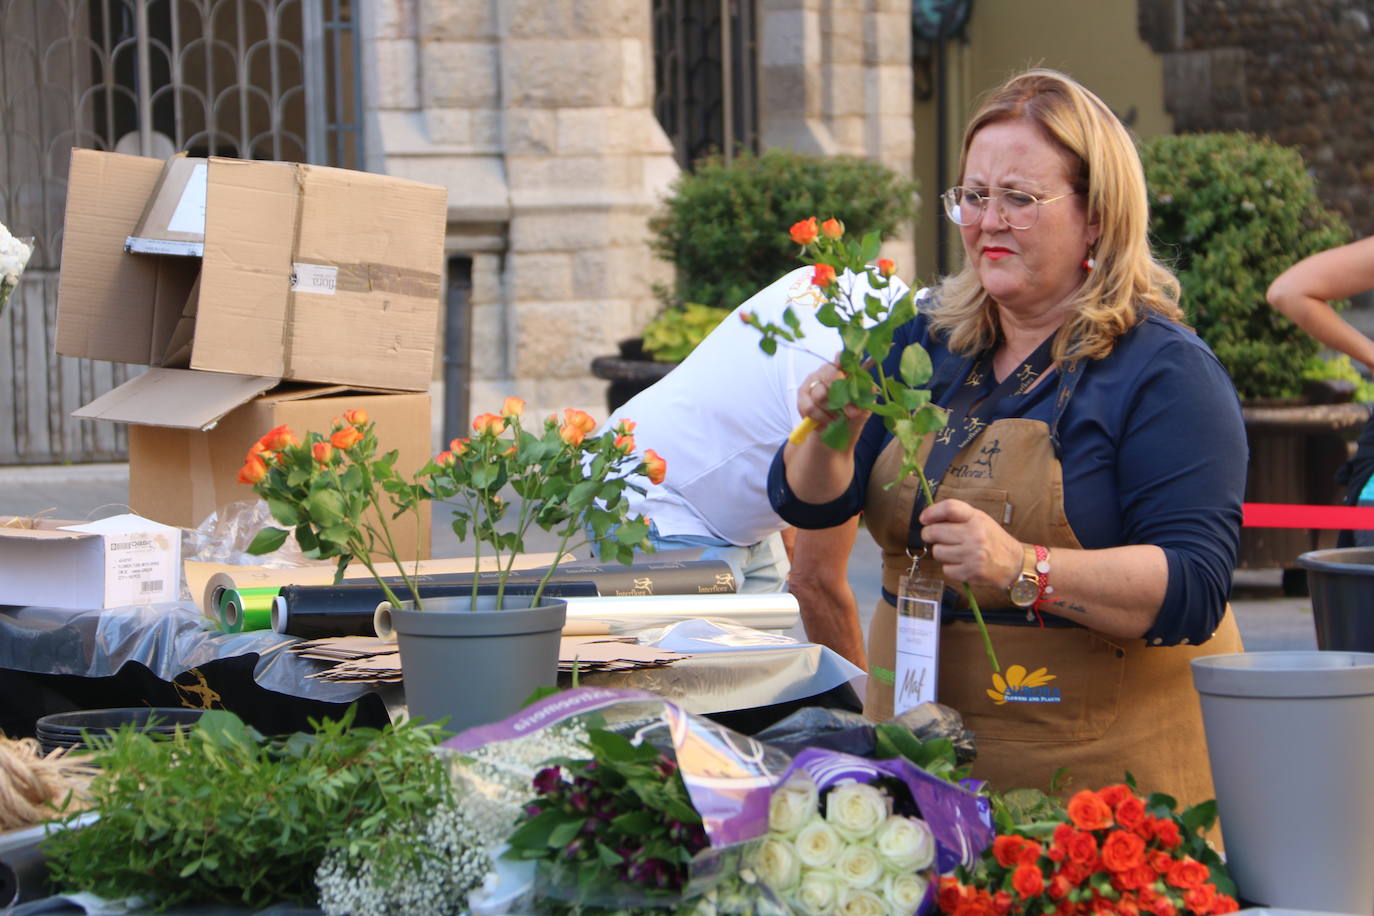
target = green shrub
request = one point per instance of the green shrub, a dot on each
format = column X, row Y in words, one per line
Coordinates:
column 1230, row 212
column 725, row 226
column 675, row 332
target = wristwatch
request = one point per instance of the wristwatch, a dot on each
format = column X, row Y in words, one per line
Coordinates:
column 1025, row 591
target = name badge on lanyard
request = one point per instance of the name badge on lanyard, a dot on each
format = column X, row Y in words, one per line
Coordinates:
column 918, row 641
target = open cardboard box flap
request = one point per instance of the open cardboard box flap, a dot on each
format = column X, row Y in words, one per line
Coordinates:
column 178, row 398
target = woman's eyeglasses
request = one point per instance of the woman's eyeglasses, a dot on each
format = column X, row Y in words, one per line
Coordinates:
column 1019, row 210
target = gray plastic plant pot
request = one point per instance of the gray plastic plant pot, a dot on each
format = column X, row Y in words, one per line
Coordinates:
column 473, row 667
column 1291, row 736
column 1341, row 583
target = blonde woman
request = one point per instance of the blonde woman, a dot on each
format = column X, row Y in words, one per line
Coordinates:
column 1089, row 480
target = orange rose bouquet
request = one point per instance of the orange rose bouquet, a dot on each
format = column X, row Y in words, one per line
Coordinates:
column 1114, row 852
column 341, row 499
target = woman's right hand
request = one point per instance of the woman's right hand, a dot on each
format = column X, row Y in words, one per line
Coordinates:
column 816, row 472
column 813, row 399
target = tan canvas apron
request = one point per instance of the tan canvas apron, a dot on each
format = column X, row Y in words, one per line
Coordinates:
column 1124, row 706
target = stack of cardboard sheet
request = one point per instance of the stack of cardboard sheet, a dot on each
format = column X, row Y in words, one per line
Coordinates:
column 366, row 659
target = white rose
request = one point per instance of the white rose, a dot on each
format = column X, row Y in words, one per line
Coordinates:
column 905, row 844
column 777, row 864
column 818, row 844
column 859, row 866
column 856, row 809
column 904, row 892
column 792, row 804
column 855, row 902
column 818, row 892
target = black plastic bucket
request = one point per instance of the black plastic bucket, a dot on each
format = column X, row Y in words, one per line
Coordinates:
column 1341, row 583
column 63, row 729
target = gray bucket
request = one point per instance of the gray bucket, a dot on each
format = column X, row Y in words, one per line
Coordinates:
column 1341, row 583
column 1291, row 737
column 475, row 667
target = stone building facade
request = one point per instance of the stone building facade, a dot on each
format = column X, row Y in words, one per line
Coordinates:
column 1298, row 71
column 538, row 117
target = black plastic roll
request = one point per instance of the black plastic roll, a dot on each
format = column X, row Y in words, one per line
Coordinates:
column 653, row 575
column 317, row 611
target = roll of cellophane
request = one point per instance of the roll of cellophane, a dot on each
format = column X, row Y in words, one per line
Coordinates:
column 316, row 611
column 246, row 609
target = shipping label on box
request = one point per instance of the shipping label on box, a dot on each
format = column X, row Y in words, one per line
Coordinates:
column 113, row 562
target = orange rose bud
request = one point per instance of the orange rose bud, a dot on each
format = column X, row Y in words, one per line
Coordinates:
column 655, row 468
column 253, row 470
column 745, row 316
column 445, row 459
column 323, row 452
column 832, row 228
column 458, row 446
column 344, row 439
column 824, row 276
column 513, row 407
column 488, row 423
column 887, row 267
column 626, row 427
column 804, row 231
column 573, row 435
column 355, row 417
column 625, row 443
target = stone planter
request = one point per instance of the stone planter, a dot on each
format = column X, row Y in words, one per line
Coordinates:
column 629, row 372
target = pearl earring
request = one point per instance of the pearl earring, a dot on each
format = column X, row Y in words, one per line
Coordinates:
column 1089, row 263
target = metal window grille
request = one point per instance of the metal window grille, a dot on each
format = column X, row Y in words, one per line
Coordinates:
column 705, row 85
column 258, row 79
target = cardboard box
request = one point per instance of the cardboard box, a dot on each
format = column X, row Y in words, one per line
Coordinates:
column 307, row 273
column 190, row 432
column 112, row 562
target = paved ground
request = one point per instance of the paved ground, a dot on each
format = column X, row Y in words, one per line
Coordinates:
column 1268, row 619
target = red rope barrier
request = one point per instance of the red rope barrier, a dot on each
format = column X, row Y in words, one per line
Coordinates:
column 1285, row 515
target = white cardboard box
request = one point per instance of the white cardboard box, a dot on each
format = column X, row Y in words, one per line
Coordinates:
column 112, row 562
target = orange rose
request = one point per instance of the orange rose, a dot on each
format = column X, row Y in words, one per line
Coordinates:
column 824, row 276
column 655, row 468
column 1123, row 851
column 573, row 435
column 579, row 418
column 344, row 439
column 804, row 232
column 1115, row 795
column 1060, row 887
column 887, row 267
column 278, row 438
column 445, row 459
column 1130, row 814
column 952, row 893
column 1028, row 881
column 513, row 407
column 626, row 427
column 832, row 228
column 1224, row 904
column 625, row 443
column 1162, row 906
column 1002, row 902
column 1165, row 830
column 1142, row 876
column 355, row 417
column 1159, row 861
column 323, row 452
column 1187, row 873
column 458, row 446
column 1006, row 849
column 1077, row 872
column 1201, row 899
column 253, row 470
column 1089, row 812
column 1082, row 848
column 488, row 423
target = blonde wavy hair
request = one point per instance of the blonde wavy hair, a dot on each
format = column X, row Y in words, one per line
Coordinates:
column 1127, row 283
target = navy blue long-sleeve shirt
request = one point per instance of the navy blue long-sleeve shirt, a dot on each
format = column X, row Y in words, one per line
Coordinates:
column 1153, row 451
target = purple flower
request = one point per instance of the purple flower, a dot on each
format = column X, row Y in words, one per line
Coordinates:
column 579, row 801
column 547, row 780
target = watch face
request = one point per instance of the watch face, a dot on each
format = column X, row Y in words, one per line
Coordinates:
column 1024, row 591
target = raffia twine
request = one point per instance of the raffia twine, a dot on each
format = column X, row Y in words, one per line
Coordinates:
column 34, row 787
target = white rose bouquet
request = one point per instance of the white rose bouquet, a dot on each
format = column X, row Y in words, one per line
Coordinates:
column 846, row 850
column 14, row 257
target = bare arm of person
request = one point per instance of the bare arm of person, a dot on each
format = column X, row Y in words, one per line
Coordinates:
column 820, row 582
column 1116, row 591
column 1303, row 291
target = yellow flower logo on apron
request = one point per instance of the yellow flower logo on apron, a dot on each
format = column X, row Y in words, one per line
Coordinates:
column 1021, row 686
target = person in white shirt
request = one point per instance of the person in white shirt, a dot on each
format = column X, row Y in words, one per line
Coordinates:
column 717, row 419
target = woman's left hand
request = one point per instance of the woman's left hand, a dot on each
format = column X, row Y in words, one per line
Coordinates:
column 969, row 545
